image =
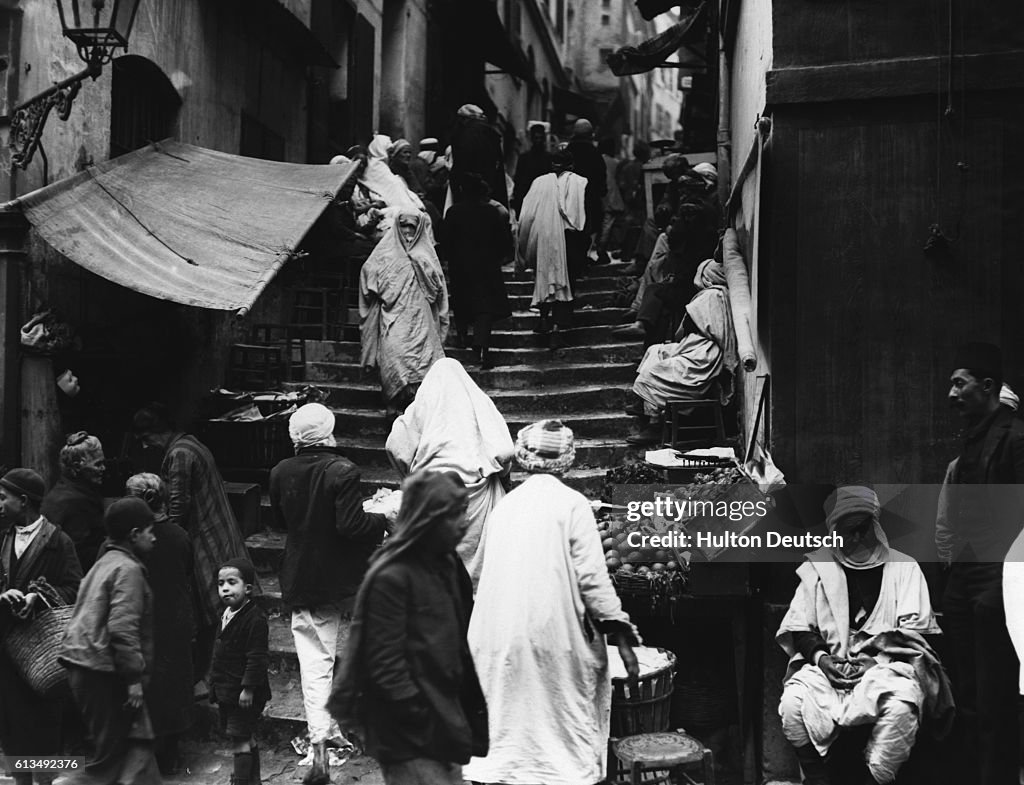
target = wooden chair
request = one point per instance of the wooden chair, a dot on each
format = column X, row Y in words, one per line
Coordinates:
column 294, row 346
column 679, row 408
column 665, row 754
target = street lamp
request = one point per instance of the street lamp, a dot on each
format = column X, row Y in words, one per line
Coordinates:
column 97, row 28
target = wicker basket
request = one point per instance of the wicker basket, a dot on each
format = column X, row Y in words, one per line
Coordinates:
column 647, row 709
column 33, row 647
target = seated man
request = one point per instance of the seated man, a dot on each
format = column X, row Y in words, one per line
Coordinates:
column 705, row 346
column 856, row 634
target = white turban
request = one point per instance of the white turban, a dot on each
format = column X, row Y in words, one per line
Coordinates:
column 311, row 425
column 1007, row 397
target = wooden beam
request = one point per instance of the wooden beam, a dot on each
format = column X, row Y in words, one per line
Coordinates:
column 894, row 78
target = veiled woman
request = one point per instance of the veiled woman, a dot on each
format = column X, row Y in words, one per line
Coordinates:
column 452, row 426
column 403, row 307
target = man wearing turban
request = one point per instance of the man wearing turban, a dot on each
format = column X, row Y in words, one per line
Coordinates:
column 980, row 516
column 855, row 634
column 315, row 497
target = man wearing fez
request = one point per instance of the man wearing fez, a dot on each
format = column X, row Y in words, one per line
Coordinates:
column 975, row 530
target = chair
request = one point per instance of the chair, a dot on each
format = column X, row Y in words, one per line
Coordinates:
column 677, row 408
column 663, row 752
column 295, row 347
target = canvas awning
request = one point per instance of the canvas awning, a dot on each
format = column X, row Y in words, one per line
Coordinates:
column 183, row 223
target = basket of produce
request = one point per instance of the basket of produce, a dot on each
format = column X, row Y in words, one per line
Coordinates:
column 646, row 706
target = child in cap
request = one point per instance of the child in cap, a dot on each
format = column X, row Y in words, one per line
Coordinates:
column 238, row 678
column 108, row 650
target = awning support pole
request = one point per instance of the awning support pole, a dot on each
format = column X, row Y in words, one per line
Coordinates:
column 13, row 229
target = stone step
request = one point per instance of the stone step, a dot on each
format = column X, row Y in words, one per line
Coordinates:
column 607, row 284
column 582, row 317
column 325, row 375
column 522, row 302
column 614, row 268
column 589, row 452
column 504, row 377
column 609, row 351
column 374, row 423
column 609, row 396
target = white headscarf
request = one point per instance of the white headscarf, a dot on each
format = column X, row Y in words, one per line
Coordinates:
column 312, row 425
column 1007, row 397
column 385, row 184
column 857, row 500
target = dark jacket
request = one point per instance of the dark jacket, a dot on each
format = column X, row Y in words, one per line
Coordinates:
column 476, row 148
column 240, row 657
column 531, row 165
column 30, row 725
column 986, row 520
column 169, row 697
column 112, row 627
column 77, row 508
column 477, row 240
column 316, row 497
column 589, row 163
column 424, row 698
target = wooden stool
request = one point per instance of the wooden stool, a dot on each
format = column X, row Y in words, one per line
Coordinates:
column 671, row 430
column 668, row 752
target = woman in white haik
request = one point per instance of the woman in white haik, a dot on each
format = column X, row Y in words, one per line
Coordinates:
column 543, row 607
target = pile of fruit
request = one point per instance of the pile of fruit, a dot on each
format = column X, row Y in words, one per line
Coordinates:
column 620, row 555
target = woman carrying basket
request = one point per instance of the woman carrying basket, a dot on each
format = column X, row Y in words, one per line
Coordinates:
column 38, row 569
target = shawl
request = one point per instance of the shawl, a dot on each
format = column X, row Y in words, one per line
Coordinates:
column 821, row 604
column 384, row 184
column 553, row 204
column 452, row 426
column 427, row 499
column 403, row 306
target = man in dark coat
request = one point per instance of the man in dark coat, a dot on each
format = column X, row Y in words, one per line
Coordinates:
column 476, row 149
column 315, row 496
column 477, row 239
column 587, row 162
column 75, row 502
column 38, row 565
column 408, row 684
column 169, row 565
column 982, row 524
column 532, row 164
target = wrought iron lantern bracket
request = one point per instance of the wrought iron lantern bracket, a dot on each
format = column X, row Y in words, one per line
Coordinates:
column 29, row 119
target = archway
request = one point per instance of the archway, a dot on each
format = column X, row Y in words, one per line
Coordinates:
column 144, row 105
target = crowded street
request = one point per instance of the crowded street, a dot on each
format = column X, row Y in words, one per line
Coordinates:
column 511, row 392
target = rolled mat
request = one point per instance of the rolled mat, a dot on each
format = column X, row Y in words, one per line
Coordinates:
column 739, row 299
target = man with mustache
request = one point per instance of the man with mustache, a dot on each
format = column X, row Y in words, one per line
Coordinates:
column 976, row 527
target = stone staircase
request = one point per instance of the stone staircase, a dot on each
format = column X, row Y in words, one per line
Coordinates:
column 585, row 384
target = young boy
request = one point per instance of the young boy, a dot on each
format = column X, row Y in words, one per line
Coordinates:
column 108, row 650
column 238, row 678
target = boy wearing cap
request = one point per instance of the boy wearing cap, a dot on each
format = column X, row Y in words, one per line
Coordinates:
column 108, row 650
column 238, row 678
column 36, row 558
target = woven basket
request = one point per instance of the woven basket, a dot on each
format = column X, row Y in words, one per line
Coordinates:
column 34, row 646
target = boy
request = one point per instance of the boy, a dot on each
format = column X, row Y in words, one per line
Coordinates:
column 108, row 650
column 238, row 678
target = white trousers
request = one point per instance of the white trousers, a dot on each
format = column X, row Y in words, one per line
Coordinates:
column 315, row 631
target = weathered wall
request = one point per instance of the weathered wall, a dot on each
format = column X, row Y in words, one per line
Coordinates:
column 219, row 66
column 403, row 89
column 518, row 102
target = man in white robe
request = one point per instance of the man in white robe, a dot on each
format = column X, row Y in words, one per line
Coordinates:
column 537, row 634
column 854, row 634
